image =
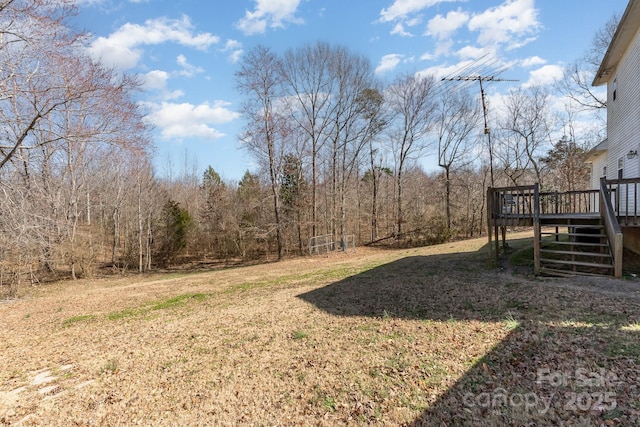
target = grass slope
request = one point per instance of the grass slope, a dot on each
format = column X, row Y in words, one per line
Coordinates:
column 430, row 336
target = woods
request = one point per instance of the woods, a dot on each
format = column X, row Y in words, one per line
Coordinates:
column 340, row 153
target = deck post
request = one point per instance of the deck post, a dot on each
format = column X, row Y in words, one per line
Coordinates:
column 617, row 260
column 497, row 243
column 536, row 229
column 489, row 216
column 557, row 209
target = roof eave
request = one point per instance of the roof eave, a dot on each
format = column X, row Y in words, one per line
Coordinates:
column 597, row 151
column 619, row 43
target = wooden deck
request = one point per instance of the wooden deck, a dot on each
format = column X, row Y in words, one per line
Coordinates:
column 585, row 209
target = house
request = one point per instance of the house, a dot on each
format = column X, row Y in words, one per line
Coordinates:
column 597, row 158
column 619, row 71
column 584, row 232
column 617, row 157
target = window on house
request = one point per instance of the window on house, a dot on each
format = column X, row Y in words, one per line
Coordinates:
column 604, row 172
column 620, row 168
column 615, row 89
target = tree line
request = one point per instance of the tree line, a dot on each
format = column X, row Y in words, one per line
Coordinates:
column 354, row 145
column 339, row 153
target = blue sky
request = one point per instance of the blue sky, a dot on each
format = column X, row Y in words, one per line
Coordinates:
column 186, row 52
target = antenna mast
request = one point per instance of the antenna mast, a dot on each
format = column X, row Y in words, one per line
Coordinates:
column 487, row 131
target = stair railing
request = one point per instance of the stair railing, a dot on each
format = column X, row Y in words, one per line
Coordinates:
column 612, row 228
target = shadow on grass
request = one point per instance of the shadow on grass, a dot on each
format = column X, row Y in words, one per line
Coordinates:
column 571, row 356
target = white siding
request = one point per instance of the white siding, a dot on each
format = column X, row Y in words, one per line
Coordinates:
column 623, row 113
column 597, row 165
column 623, row 119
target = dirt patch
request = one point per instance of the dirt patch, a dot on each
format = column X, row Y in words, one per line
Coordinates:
column 429, row 336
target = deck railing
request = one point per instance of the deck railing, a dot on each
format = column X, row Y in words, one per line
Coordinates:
column 612, row 227
column 625, row 199
column 580, row 201
column 510, row 204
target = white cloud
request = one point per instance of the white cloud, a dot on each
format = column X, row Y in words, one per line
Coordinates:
column 508, row 23
column 440, row 71
column 185, row 120
column 518, row 44
column 402, row 8
column 188, row 70
column 235, row 56
column 545, row 75
column 234, row 48
column 532, row 61
column 269, row 13
column 122, row 48
column 472, row 52
column 443, row 27
column 156, row 80
column 388, row 63
column 444, row 47
column 414, row 21
column 427, row 57
column 400, row 31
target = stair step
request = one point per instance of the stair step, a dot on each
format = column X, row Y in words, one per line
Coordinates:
column 574, row 216
column 585, row 244
column 576, row 263
column 590, row 226
column 560, row 252
column 568, row 273
column 551, row 233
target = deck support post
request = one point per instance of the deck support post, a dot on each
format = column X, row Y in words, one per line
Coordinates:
column 536, row 229
column 489, row 220
column 504, row 239
column 497, row 243
column 618, row 250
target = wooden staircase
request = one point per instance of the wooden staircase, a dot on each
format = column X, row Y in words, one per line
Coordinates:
column 574, row 244
column 575, row 232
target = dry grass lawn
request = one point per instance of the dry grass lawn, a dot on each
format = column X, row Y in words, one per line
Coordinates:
column 429, row 336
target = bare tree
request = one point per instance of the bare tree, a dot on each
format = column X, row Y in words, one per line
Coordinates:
column 458, row 115
column 576, row 82
column 260, row 79
column 306, row 73
column 293, row 190
column 373, row 113
column 528, row 123
column 349, row 129
column 34, row 82
column 410, row 101
column 61, row 115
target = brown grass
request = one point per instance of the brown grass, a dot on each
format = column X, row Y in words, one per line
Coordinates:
column 429, row 336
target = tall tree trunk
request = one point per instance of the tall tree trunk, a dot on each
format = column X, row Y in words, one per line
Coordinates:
column 274, row 189
column 399, row 219
column 140, row 228
column 314, row 188
column 148, row 244
column 447, row 187
column 116, row 234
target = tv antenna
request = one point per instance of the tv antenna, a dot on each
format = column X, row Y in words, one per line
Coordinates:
column 480, row 78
